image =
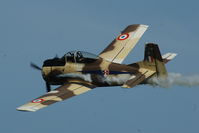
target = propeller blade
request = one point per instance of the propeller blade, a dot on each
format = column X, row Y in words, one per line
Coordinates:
column 35, row 66
column 48, row 88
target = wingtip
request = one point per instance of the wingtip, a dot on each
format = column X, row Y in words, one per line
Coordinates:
column 169, row 56
column 142, row 25
column 26, row 109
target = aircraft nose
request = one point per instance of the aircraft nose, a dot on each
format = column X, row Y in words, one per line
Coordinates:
column 46, row 70
column 48, row 63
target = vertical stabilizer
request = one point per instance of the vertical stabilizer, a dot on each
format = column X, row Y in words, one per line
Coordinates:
column 153, row 57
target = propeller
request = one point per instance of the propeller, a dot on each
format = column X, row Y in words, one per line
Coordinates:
column 34, row 66
column 48, row 88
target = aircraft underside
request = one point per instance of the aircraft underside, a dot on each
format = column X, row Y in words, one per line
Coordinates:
column 94, row 79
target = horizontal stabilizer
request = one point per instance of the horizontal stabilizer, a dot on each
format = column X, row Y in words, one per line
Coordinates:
column 137, row 79
column 168, row 56
column 133, row 81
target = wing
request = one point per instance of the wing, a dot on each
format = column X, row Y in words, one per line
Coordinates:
column 121, row 46
column 140, row 77
column 64, row 92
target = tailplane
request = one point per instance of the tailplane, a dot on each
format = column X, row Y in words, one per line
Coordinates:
column 154, row 61
column 168, row 56
column 153, row 65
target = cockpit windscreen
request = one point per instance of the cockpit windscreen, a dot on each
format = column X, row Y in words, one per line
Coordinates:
column 80, row 57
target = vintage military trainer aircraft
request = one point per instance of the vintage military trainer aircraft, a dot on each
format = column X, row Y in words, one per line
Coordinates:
column 78, row 72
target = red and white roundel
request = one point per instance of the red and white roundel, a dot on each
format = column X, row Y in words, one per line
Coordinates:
column 123, row 36
column 38, row 100
column 106, row 72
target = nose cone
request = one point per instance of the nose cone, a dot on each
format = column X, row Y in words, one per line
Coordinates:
column 46, row 68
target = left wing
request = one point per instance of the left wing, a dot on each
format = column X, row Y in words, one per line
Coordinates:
column 121, row 46
column 63, row 92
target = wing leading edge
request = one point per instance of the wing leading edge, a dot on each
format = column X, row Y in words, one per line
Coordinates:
column 63, row 92
column 121, row 46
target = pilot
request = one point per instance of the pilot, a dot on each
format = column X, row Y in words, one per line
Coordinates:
column 79, row 56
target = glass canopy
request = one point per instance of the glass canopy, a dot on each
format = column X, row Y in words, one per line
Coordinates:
column 80, row 57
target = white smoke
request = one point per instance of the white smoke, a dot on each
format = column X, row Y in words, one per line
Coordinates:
column 119, row 79
column 176, row 79
column 86, row 77
column 111, row 80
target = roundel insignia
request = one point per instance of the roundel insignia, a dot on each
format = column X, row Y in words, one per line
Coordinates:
column 38, row 100
column 123, row 36
column 106, row 72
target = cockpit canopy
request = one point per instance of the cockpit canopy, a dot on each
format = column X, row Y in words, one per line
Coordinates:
column 80, row 57
column 73, row 56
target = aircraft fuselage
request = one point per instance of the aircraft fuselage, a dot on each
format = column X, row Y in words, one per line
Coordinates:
column 98, row 73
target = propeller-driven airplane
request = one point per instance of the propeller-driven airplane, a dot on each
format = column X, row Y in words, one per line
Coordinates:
column 78, row 72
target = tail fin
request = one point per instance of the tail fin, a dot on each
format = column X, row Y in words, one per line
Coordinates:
column 152, row 57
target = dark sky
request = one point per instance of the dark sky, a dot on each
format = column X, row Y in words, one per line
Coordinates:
column 39, row 29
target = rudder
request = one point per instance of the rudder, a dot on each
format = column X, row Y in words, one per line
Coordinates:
column 153, row 57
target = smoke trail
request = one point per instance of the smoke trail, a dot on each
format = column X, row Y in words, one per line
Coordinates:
column 176, row 79
column 119, row 79
column 86, row 77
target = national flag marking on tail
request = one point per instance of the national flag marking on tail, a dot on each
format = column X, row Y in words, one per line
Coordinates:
column 150, row 58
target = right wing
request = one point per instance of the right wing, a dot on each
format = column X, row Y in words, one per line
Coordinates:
column 121, row 46
column 63, row 92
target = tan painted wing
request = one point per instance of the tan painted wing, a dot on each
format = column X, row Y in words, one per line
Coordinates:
column 140, row 77
column 121, row 46
column 64, row 92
